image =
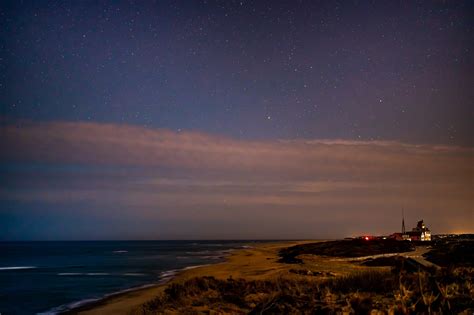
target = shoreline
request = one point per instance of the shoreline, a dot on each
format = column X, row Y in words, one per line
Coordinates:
column 92, row 303
column 87, row 305
column 127, row 301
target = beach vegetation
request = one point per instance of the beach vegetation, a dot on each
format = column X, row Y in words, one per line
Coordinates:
column 368, row 292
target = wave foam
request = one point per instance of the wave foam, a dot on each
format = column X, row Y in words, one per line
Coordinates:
column 97, row 274
column 18, row 268
column 74, row 305
column 194, row 267
column 69, row 274
column 83, row 274
column 67, row 307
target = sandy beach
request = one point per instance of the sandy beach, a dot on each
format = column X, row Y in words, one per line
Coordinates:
column 258, row 262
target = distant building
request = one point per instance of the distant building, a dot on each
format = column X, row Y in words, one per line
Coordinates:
column 418, row 233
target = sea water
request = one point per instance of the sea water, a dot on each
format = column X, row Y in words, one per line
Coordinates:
column 52, row 277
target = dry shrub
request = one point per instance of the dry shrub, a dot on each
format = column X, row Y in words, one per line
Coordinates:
column 368, row 292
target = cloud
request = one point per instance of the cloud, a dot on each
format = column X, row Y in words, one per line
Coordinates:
column 192, row 176
column 111, row 144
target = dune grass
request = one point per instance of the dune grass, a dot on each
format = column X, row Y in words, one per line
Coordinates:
column 358, row 293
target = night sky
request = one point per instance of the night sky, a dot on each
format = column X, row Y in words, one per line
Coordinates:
column 235, row 119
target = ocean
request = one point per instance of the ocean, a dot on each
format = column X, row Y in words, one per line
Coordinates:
column 52, row 277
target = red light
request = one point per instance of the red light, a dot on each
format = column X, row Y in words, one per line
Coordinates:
column 366, row 238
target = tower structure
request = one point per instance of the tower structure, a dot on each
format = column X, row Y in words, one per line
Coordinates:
column 403, row 222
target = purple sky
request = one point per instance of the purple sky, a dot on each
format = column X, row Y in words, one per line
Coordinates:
column 234, row 119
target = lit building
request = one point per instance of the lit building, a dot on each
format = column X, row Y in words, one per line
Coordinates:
column 418, row 233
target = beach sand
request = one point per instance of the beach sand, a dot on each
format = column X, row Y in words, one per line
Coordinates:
column 258, row 262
